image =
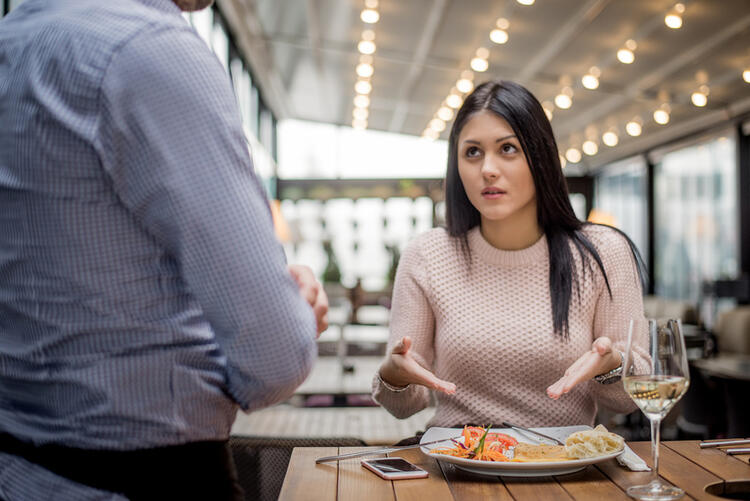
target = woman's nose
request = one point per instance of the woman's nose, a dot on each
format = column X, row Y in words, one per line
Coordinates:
column 489, row 168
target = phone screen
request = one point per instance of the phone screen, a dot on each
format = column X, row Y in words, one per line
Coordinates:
column 394, row 465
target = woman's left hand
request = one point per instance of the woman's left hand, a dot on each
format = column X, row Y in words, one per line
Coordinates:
column 600, row 359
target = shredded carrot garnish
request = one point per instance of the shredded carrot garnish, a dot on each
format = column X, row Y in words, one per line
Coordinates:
column 479, row 444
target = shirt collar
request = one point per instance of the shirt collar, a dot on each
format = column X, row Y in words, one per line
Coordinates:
column 162, row 5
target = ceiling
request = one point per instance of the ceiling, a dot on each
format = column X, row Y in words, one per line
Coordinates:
column 305, row 53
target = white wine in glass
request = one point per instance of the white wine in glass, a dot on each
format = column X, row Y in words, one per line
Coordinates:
column 655, row 385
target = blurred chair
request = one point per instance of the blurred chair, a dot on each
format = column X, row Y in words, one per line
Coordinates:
column 702, row 411
column 659, row 307
column 733, row 331
column 262, row 462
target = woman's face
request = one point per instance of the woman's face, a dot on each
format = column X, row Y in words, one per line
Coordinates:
column 494, row 171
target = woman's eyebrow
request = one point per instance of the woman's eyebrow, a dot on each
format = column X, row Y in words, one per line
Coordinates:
column 472, row 141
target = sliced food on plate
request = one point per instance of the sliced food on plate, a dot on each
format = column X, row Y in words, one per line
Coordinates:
column 481, row 444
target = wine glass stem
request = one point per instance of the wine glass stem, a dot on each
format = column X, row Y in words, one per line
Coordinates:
column 655, row 426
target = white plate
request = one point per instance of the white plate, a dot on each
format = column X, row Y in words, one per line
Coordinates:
column 512, row 469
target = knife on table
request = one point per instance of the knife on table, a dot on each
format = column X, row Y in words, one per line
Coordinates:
column 394, row 448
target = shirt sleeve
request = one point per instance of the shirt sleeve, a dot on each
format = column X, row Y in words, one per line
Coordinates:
column 613, row 315
column 411, row 315
column 172, row 142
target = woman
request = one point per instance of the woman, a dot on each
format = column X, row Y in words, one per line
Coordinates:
column 512, row 309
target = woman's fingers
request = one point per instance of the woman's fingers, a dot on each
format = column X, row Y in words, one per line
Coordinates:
column 402, row 368
column 586, row 367
column 602, row 345
column 402, row 347
column 427, row 378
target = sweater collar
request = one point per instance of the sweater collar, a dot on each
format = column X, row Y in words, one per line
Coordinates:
column 535, row 254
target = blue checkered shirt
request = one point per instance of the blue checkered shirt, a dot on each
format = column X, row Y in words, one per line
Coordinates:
column 143, row 295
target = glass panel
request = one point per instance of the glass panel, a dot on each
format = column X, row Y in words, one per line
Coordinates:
column 696, row 217
column 578, row 201
column 220, row 43
column 620, row 196
column 203, row 22
column 308, row 149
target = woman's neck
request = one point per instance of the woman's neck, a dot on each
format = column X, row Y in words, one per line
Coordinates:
column 514, row 233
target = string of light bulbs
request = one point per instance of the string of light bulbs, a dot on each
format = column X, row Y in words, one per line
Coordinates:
column 365, row 69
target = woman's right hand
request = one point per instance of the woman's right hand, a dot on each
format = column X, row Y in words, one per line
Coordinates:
column 400, row 369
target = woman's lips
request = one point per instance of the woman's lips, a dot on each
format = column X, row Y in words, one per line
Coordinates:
column 492, row 193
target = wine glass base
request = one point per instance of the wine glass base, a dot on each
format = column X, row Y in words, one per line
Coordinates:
column 655, row 491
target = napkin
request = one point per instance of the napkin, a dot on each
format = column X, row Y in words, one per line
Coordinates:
column 632, row 461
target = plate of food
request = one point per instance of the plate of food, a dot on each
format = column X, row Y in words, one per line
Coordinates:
column 506, row 452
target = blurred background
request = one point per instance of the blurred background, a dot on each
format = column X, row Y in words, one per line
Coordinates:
column 347, row 105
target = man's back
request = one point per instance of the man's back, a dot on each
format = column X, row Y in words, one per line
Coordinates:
column 142, row 295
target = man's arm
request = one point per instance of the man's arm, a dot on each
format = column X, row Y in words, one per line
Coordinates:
column 172, row 142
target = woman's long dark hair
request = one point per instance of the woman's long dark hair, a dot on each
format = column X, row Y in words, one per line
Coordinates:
column 555, row 214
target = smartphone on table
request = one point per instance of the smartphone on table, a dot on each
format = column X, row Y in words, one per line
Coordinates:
column 394, row 468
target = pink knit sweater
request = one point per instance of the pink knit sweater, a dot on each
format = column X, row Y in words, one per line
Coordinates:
column 489, row 330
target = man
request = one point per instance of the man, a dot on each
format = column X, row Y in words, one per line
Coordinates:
column 143, row 297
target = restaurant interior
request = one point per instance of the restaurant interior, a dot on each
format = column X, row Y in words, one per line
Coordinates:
column 347, row 106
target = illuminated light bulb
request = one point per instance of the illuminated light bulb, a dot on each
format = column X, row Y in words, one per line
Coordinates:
column 548, row 107
column 479, row 64
column 465, row 85
column 360, row 113
column 589, row 147
column 563, row 102
column 499, row 36
column 361, row 101
column 483, row 53
column 366, row 47
column 502, row 23
column 368, row 35
column 563, row 162
column 363, row 87
column 680, row 8
column 699, row 99
column 525, row 2
column 371, row 4
column 746, row 75
column 630, row 44
column 625, row 56
column 454, row 101
column 359, row 124
column 633, row 128
column 610, row 138
column 445, row 113
column 661, row 116
column 573, row 155
column 437, row 124
column 673, row 21
column 430, row 134
column 365, row 70
column 370, row 16
column 590, row 81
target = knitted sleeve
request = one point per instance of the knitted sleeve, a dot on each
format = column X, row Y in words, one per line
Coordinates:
column 612, row 316
column 411, row 315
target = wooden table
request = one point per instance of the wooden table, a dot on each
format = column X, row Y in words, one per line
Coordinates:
column 330, row 377
column 729, row 365
column 374, row 425
column 682, row 463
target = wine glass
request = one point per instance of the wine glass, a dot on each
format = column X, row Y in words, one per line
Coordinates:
column 655, row 385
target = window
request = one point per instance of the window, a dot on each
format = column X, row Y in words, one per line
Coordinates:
column 696, row 216
column 620, row 193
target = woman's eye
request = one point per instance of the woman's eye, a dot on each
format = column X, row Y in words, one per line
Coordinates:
column 472, row 152
column 508, row 148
